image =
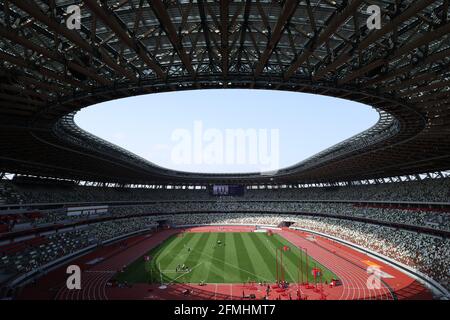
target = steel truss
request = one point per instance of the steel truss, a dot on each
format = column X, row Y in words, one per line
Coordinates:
column 132, row 47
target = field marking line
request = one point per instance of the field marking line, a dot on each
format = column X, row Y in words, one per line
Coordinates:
column 174, row 244
column 231, row 265
column 171, row 282
column 173, row 255
column 169, row 252
column 226, row 263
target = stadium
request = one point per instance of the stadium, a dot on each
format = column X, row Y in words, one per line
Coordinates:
column 82, row 218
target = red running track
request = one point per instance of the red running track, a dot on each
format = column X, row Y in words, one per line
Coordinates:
column 348, row 264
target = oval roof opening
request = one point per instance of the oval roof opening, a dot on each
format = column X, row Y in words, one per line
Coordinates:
column 226, row 130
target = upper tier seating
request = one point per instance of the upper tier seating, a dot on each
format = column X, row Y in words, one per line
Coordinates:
column 432, row 190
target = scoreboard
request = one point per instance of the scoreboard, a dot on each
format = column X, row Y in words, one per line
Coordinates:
column 227, row 190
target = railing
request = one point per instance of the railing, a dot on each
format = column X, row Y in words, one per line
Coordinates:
column 6, row 207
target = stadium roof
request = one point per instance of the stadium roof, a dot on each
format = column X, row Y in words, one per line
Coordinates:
column 132, row 47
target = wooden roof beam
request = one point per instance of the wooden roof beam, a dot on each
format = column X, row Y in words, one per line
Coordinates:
column 335, row 22
column 164, row 19
column 110, row 19
column 53, row 55
column 224, row 6
column 288, row 10
column 34, row 11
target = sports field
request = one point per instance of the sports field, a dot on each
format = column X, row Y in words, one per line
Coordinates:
column 221, row 257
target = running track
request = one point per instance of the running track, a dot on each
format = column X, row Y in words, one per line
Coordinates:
column 348, row 264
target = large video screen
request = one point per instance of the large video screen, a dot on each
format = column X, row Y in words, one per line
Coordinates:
column 227, row 190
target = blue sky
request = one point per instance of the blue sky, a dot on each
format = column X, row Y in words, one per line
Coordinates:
column 147, row 126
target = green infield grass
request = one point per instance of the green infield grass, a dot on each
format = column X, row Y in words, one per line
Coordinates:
column 218, row 257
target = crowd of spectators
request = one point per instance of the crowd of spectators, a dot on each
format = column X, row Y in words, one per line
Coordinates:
column 305, row 207
column 29, row 255
column 67, row 194
column 431, row 219
column 431, row 190
column 424, row 252
column 23, row 256
column 8, row 194
column 438, row 220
